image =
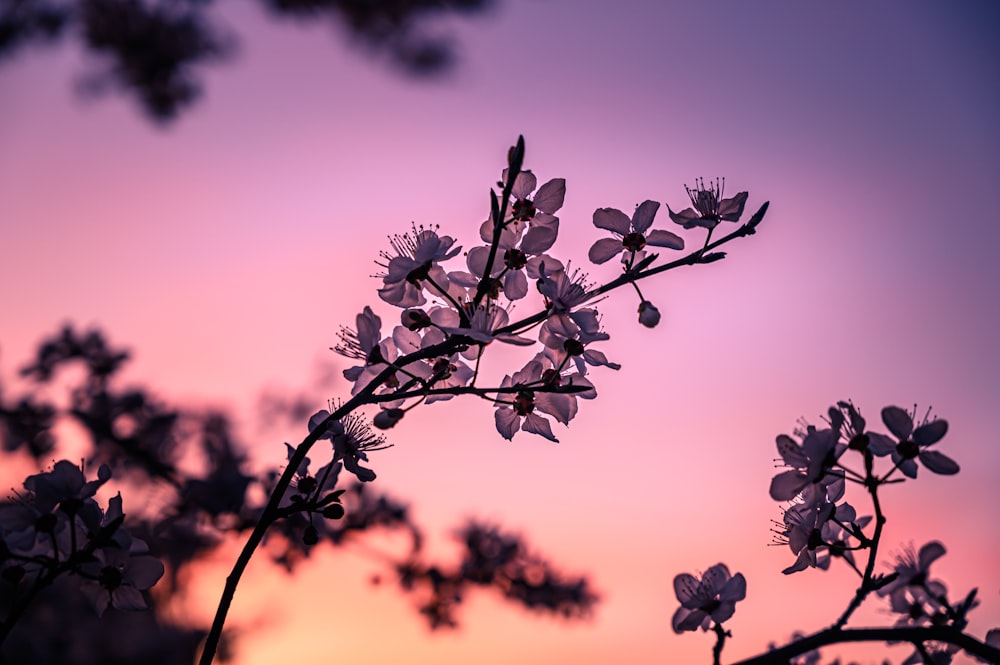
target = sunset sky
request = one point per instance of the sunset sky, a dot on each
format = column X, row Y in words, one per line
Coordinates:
column 227, row 248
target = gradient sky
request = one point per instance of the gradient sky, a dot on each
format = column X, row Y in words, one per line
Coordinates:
column 226, row 250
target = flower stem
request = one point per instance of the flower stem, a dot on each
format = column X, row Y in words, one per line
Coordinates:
column 720, row 641
column 866, row 587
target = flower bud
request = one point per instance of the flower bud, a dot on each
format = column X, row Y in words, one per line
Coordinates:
column 415, row 319
column 333, row 512
column 388, row 418
column 649, row 316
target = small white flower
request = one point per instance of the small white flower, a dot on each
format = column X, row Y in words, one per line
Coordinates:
column 913, row 443
column 913, row 570
column 630, row 235
column 708, row 206
column 416, row 259
column 711, row 598
column 812, row 465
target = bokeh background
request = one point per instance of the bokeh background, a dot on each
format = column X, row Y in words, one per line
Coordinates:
column 228, row 247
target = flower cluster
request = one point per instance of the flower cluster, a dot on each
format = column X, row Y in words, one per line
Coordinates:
column 816, row 524
column 912, row 593
column 452, row 314
column 57, row 527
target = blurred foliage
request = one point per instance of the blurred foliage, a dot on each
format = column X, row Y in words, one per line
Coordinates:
column 187, row 487
column 154, row 49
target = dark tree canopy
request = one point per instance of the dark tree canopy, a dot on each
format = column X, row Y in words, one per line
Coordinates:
column 183, row 514
column 155, row 49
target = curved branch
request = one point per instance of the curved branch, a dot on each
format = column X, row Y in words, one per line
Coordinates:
column 912, row 634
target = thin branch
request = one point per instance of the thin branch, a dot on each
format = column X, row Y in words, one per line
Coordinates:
column 912, row 634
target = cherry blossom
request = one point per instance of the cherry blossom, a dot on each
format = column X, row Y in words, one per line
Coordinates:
column 912, row 443
column 812, row 463
column 567, row 336
column 913, row 570
column 118, row 573
column 484, row 320
column 631, row 235
column 415, row 260
column 365, row 344
column 516, row 411
column 563, row 291
column 708, row 206
column 711, row 598
column 816, row 535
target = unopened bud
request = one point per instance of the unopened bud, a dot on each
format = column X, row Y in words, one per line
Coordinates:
column 333, row 512
column 649, row 316
column 415, row 319
column 388, row 418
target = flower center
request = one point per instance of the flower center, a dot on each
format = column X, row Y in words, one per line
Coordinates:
column 419, row 273
column 443, row 368
column 110, row 578
column 551, row 377
column 634, row 242
column 524, row 210
column 515, row 259
column 859, row 442
column 710, row 606
column 707, row 204
column 524, row 402
column 908, row 449
column 46, row 523
column 492, row 287
column 306, row 485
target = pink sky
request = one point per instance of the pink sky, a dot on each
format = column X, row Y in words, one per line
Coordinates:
column 227, row 249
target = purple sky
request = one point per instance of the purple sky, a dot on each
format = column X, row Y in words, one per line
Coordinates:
column 227, row 249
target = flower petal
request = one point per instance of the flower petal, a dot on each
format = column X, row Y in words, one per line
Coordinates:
column 643, row 216
column 549, row 197
column 507, row 422
column 537, row 425
column 515, row 285
column 735, row 589
column 791, row 452
column 930, row 433
column 939, row 462
column 664, row 239
column 786, row 485
column 898, row 421
column 715, row 578
column 880, row 444
column 143, row 571
column 731, row 209
column 561, row 407
column 686, row 218
column 930, row 553
column 604, row 250
column 539, row 239
column 686, row 589
column 803, row 561
column 612, row 219
column 680, row 619
column 692, row 620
